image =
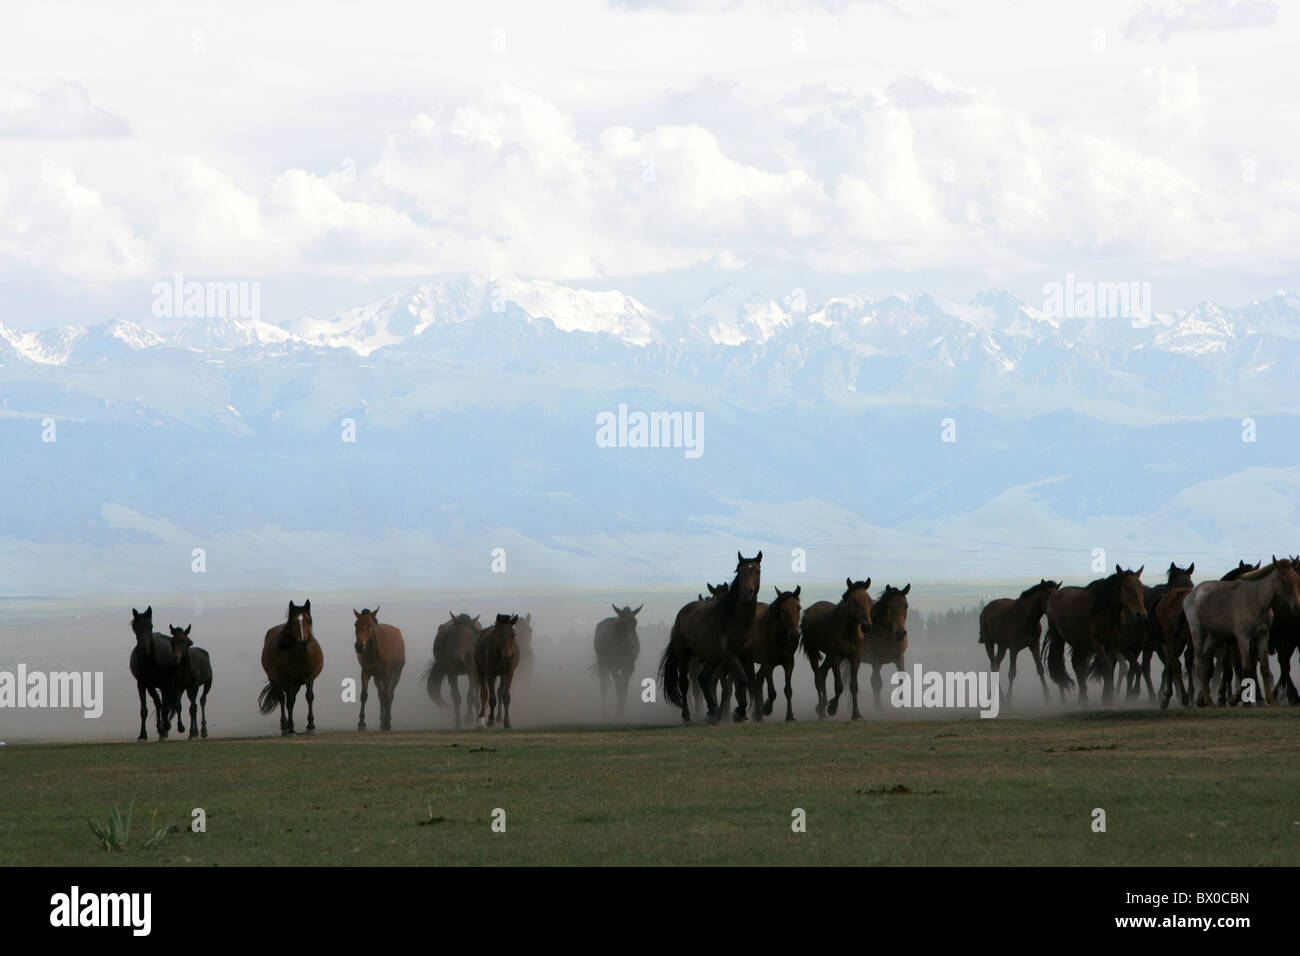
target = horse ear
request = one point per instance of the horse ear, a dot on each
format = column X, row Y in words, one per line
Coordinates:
column 848, row 582
column 906, row 589
column 1118, row 569
column 759, row 559
column 798, row 590
column 514, row 619
column 375, row 612
column 307, row 606
column 868, row 582
column 356, row 612
column 1191, row 567
column 452, row 615
column 739, row 559
column 638, row 610
column 1139, row 571
column 777, row 590
column 188, row 627
column 134, row 614
column 611, row 604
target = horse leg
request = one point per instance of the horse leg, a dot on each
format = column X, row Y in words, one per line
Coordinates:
column 877, row 682
column 506, row 681
column 178, row 705
column 203, row 703
column 1079, row 661
column 284, row 714
column 453, row 680
column 1259, row 652
column 492, row 700
column 311, row 707
column 144, row 711
column 1011, row 674
column 603, row 676
column 741, row 682
column 765, row 676
column 1204, row 697
column 365, row 694
column 194, row 713
column 1108, row 681
column 819, row 681
column 834, row 705
column 291, row 697
column 705, row 680
column 620, row 680
column 789, row 694
column 161, row 712
column 684, row 686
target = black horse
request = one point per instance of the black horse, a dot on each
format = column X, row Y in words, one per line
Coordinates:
column 154, row 671
column 193, row 673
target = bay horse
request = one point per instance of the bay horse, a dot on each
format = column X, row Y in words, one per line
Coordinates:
column 1171, row 623
column 617, row 648
column 1240, row 613
column 1009, row 625
column 291, row 659
column 193, row 674
column 495, row 658
column 716, row 592
column 381, row 652
column 1091, row 621
column 717, row 632
column 453, row 656
column 154, row 671
column 1152, row 640
column 886, row 641
column 775, row 644
column 833, row 634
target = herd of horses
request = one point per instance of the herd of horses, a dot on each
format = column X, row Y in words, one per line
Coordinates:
column 731, row 642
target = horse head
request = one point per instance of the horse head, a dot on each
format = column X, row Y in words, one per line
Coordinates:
column 889, row 615
column 1180, row 577
column 1132, row 598
column 142, row 627
column 857, row 601
column 366, row 628
column 627, row 619
column 181, row 642
column 297, row 629
column 748, row 573
column 787, row 609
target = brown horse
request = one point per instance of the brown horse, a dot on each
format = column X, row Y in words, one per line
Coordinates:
column 1092, row 620
column 717, row 632
column 1240, row 612
column 1013, row 624
column 776, row 641
column 381, row 652
column 617, row 648
column 1151, row 641
column 1171, row 623
column 1226, row 661
column 833, row 634
column 453, row 655
column 1283, row 640
column 193, row 674
column 291, row 659
column 495, row 658
column 886, row 642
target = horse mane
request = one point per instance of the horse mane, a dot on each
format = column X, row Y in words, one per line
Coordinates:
column 882, row 602
column 1258, row 573
column 1033, row 590
column 1103, row 592
column 781, row 598
column 857, row 586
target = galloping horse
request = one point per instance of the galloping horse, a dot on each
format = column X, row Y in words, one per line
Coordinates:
column 381, row 652
column 1012, row 624
column 154, row 671
column 1240, row 612
column 834, row 634
column 495, row 658
column 776, row 641
column 291, row 659
column 1092, row 621
column 193, row 672
column 886, row 642
column 617, row 648
column 1152, row 640
column 716, row 632
column 453, row 655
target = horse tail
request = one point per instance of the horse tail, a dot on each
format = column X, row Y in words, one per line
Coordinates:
column 984, row 629
column 432, row 677
column 1053, row 655
column 1098, row 667
column 668, row 671
column 270, row 698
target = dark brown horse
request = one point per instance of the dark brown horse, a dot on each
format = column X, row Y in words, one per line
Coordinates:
column 154, row 671
column 716, row 632
column 291, row 659
column 617, row 648
column 453, row 655
column 193, row 674
column 1171, row 623
column 1009, row 625
column 1150, row 640
column 495, row 658
column 1092, row 622
column 886, row 642
column 833, row 634
column 381, row 652
column 1240, row 612
column 776, row 642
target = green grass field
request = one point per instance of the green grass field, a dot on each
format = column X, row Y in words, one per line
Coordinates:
column 1216, row 788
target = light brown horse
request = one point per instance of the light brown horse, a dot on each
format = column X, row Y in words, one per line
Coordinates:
column 1239, row 612
column 617, row 648
column 716, row 632
column 1009, row 625
column 495, row 658
column 291, row 659
column 775, row 644
column 381, row 652
column 1092, row 622
column 886, row 642
column 453, row 655
column 833, row 634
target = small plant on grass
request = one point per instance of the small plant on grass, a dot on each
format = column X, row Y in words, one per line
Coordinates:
column 113, row 834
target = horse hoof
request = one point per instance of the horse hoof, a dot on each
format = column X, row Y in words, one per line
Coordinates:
column 832, row 708
column 506, row 725
column 204, row 733
column 143, row 737
column 789, row 717
column 361, row 726
column 193, row 735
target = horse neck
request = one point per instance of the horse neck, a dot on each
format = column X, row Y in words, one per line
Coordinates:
column 1026, row 611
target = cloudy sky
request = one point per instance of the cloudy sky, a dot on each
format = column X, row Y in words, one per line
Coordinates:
column 661, row 148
